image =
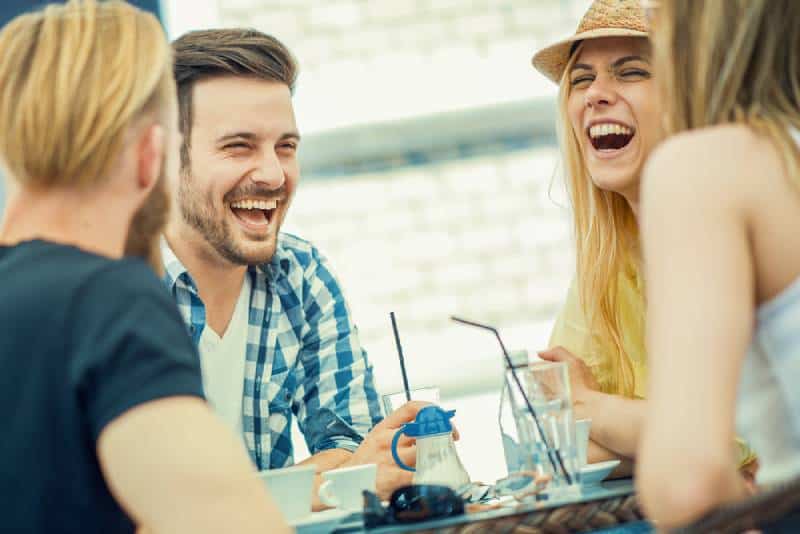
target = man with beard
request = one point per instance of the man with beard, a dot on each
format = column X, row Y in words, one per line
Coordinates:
column 100, row 391
column 274, row 331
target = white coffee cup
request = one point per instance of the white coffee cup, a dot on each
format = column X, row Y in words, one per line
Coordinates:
column 341, row 488
column 582, row 427
column 290, row 488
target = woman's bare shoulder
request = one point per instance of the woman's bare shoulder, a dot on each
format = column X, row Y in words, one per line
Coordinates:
column 727, row 161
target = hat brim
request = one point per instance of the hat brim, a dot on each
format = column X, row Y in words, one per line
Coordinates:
column 552, row 60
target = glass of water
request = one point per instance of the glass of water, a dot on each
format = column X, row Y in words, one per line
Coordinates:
column 545, row 423
column 392, row 401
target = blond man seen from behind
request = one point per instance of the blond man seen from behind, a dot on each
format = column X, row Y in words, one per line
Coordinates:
column 105, row 425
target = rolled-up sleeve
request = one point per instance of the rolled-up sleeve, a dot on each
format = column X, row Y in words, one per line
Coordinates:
column 336, row 401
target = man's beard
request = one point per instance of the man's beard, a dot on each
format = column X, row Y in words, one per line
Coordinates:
column 147, row 225
column 199, row 213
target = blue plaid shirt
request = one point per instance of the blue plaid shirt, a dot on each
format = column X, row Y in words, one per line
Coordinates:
column 303, row 354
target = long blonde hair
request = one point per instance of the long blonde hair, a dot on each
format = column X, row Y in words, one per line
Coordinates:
column 606, row 234
column 72, row 79
column 729, row 61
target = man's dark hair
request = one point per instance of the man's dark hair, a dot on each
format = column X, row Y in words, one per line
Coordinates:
column 241, row 52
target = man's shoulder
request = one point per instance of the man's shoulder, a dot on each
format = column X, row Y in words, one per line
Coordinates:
column 77, row 290
column 126, row 300
column 74, row 270
column 119, row 284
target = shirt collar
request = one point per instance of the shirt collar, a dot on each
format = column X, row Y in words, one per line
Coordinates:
column 279, row 265
column 174, row 269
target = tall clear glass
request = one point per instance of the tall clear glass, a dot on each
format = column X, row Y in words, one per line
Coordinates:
column 547, row 436
column 392, row 401
column 509, row 435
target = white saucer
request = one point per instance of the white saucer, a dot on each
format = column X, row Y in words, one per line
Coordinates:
column 320, row 522
column 595, row 473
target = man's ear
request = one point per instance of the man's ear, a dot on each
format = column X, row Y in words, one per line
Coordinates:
column 150, row 155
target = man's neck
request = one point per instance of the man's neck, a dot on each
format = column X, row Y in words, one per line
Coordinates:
column 68, row 217
column 218, row 281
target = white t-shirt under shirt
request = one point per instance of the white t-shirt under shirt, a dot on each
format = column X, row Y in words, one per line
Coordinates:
column 222, row 361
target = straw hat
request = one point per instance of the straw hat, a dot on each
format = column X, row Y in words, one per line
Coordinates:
column 605, row 18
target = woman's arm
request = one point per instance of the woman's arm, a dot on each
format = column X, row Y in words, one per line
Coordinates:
column 615, row 437
column 597, row 453
column 590, row 403
column 700, row 291
column 616, row 421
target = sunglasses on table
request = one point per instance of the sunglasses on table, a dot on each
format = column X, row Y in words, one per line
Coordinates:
column 415, row 503
column 411, row 504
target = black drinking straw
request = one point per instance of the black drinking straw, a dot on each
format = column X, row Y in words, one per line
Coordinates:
column 510, row 364
column 400, row 353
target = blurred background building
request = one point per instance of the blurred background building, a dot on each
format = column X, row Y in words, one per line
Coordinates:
column 430, row 178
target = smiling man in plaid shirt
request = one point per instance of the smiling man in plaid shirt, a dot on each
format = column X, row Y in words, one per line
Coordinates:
column 275, row 334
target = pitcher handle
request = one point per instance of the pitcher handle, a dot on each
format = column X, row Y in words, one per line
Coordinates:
column 397, row 459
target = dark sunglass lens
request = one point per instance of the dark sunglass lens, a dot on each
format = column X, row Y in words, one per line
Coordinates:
column 420, row 512
column 408, row 495
column 417, row 503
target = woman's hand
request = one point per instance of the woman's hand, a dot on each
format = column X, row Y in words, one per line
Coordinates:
column 582, row 381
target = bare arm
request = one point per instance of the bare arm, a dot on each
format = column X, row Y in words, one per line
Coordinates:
column 597, row 453
column 174, row 467
column 701, row 296
column 616, row 421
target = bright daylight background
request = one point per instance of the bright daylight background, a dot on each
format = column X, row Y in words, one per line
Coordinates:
column 430, row 179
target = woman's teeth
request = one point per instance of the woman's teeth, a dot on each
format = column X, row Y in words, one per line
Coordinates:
column 610, row 136
column 599, row 130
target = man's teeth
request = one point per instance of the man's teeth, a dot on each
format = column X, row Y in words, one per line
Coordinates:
column 599, row 130
column 255, row 204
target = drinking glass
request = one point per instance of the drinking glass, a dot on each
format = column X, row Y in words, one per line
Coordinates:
column 392, row 401
column 509, row 434
column 547, row 436
column 582, row 430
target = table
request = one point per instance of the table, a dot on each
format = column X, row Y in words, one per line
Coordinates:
column 611, row 497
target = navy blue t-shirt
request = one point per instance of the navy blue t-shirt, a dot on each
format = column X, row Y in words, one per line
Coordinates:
column 84, row 338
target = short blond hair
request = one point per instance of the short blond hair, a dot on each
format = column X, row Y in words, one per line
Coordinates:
column 73, row 78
